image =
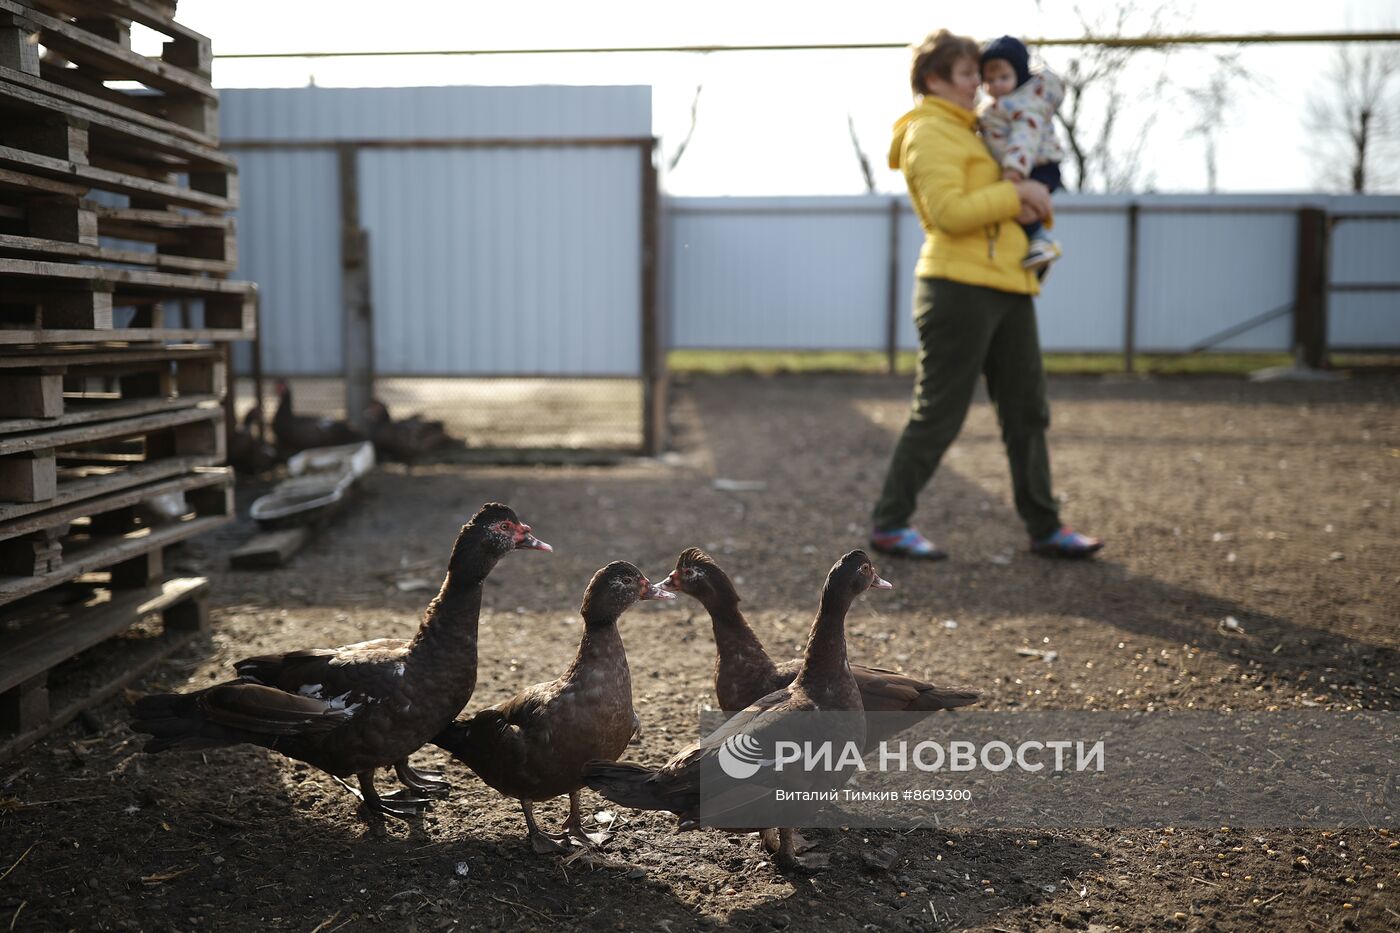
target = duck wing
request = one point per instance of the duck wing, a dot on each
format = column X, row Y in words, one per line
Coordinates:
column 232, row 713
column 883, row 691
column 494, row 741
column 352, row 672
column 675, row 786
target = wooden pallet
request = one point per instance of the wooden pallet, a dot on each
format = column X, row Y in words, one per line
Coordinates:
column 40, row 470
column 45, row 218
column 95, row 47
column 114, row 535
column 42, row 391
column 34, row 698
column 50, row 302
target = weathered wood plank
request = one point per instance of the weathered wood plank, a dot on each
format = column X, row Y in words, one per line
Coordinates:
column 58, row 249
column 110, row 57
column 127, row 280
column 113, row 103
column 28, row 476
column 103, row 553
column 89, row 433
column 120, row 356
column 34, row 399
column 44, row 337
column 82, row 627
column 268, row 549
column 115, row 181
column 132, row 138
column 90, row 486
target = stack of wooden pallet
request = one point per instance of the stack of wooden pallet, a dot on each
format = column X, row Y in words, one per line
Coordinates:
column 115, row 317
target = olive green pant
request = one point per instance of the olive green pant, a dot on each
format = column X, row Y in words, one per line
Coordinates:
column 966, row 331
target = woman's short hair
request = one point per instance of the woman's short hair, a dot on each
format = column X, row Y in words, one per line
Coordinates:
column 937, row 55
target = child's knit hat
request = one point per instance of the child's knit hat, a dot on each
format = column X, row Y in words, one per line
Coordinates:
column 1013, row 51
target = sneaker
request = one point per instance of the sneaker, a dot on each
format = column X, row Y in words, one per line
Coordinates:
column 906, row 542
column 1066, row 543
column 1041, row 253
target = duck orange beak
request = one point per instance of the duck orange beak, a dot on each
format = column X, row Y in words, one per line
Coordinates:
column 672, row 583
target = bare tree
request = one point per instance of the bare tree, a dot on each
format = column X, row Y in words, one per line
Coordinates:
column 694, row 113
column 1213, row 101
column 861, row 157
column 1097, row 96
column 1354, row 119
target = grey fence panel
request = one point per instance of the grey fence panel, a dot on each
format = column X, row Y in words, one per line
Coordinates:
column 540, row 112
column 761, row 273
column 1203, row 273
column 911, row 239
column 1364, row 251
column 289, row 243
column 505, row 261
column 1082, row 301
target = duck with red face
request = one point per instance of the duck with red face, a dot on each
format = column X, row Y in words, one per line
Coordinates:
column 356, row 708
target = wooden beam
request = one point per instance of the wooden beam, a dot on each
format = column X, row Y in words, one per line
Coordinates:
column 358, row 313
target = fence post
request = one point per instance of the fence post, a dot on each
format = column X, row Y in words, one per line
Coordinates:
column 892, row 292
column 1310, row 296
column 654, row 375
column 1130, row 301
column 354, row 291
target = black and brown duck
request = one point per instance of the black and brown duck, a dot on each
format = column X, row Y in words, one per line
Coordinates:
column 534, row 746
column 744, row 672
column 823, row 684
column 356, row 708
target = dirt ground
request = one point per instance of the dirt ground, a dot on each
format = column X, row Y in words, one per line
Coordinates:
column 1273, row 503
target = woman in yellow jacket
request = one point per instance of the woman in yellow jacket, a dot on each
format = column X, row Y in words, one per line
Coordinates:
column 973, row 307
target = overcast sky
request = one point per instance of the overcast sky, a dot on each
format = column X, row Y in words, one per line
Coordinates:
column 776, row 123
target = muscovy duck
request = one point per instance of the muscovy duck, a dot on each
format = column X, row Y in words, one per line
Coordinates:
column 744, row 672
column 823, row 684
column 535, row 745
column 404, row 440
column 352, row 709
column 248, row 455
column 296, row 433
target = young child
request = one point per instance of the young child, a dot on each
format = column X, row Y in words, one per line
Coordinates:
column 1018, row 127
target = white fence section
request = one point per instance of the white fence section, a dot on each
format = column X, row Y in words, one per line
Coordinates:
column 813, row 273
column 505, row 225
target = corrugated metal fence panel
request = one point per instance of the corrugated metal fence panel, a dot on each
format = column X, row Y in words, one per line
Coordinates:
column 1363, row 252
column 513, row 260
column 504, row 261
column 1081, row 302
column 911, row 240
column 1081, row 308
column 543, row 112
column 794, row 273
column 1200, row 274
column 289, row 243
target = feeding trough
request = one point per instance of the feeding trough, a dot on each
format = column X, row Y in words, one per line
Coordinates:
column 319, row 484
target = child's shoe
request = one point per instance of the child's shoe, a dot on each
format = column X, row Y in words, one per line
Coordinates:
column 1041, row 253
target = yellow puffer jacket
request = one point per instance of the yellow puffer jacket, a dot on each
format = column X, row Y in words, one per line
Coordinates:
column 968, row 213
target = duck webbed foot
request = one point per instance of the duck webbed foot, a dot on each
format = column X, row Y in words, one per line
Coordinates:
column 787, row 857
column 422, row 783
column 573, row 826
column 541, row 842
column 400, row 805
